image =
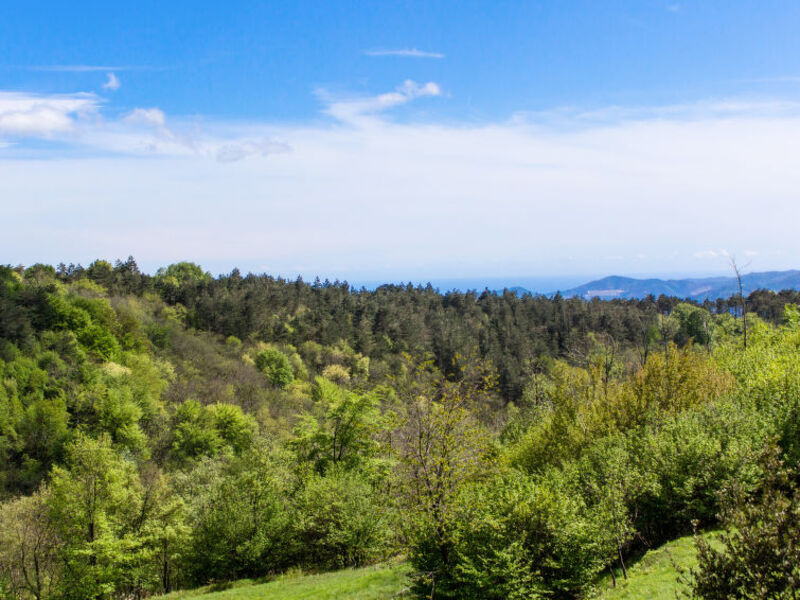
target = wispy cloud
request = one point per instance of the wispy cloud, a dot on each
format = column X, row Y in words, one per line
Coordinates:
column 361, row 109
column 76, row 121
column 112, row 83
column 568, row 117
column 406, row 52
column 146, row 116
column 23, row 115
column 241, row 149
column 722, row 253
column 381, row 194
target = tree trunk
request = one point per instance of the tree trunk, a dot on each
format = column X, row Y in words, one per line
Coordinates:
column 622, row 563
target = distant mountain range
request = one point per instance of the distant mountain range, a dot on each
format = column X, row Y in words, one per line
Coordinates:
column 695, row 288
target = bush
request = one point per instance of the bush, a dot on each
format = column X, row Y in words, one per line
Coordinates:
column 276, row 366
column 205, row 430
column 241, row 517
column 510, row 537
column 758, row 556
column 341, row 522
column 692, row 459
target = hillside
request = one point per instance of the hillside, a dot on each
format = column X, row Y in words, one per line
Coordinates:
column 379, row 582
column 179, row 431
column 695, row 288
column 654, row 576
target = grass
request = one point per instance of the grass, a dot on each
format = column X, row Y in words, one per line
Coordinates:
column 379, row 582
column 654, row 576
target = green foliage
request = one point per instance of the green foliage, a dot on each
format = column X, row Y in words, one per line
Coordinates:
column 511, row 447
column 233, row 342
column 205, row 430
column 340, row 522
column 695, row 324
column 336, row 373
column 340, row 431
column 194, row 433
column 234, row 427
column 94, row 499
column 240, row 517
column 580, row 406
column 183, row 272
column 511, row 537
column 29, row 549
column 442, row 449
column 692, row 458
column 276, row 366
column 758, row 556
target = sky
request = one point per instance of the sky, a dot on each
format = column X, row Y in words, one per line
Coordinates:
column 378, row 141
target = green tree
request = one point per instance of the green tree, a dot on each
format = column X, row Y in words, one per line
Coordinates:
column 30, row 565
column 94, row 500
column 205, row 430
column 694, row 324
column 240, row 515
column 441, row 448
column 276, row 366
column 194, row 433
column 340, row 431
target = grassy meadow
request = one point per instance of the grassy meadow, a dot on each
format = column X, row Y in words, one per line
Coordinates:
column 654, row 576
column 378, row 582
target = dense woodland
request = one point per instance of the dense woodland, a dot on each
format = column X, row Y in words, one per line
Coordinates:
column 163, row 432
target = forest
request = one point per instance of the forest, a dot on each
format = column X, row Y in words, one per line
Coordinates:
column 168, row 431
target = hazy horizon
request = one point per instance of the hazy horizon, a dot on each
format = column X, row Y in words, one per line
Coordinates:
column 540, row 284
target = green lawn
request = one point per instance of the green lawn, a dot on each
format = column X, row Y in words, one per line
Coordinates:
column 653, row 577
column 380, row 582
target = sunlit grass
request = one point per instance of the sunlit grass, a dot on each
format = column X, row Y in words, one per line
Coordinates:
column 654, row 576
column 379, row 582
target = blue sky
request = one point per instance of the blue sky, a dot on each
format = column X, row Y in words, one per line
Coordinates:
column 405, row 140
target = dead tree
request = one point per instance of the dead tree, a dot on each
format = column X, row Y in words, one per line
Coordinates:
column 742, row 302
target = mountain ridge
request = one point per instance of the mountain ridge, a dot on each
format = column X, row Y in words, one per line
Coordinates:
column 695, row 288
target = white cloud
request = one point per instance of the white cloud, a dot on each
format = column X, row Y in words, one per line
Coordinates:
column 559, row 192
column 405, row 52
column 43, row 115
column 572, row 118
column 146, row 116
column 712, row 254
column 40, row 120
column 145, row 131
column 235, row 151
column 355, row 110
column 112, row 83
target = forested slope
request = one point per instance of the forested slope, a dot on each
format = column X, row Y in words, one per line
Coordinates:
column 163, row 432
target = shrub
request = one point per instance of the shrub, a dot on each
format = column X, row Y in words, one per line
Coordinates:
column 510, row 537
column 758, row 556
column 341, row 522
column 276, row 366
column 240, row 517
